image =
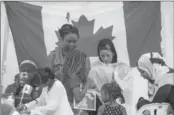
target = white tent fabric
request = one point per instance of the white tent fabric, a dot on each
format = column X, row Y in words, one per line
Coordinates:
column 8, row 54
column 167, row 34
column 11, row 61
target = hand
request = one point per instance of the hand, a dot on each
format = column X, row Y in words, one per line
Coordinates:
column 21, row 108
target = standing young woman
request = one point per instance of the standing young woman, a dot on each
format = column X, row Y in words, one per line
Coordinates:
column 102, row 73
column 160, row 77
column 53, row 100
column 69, row 36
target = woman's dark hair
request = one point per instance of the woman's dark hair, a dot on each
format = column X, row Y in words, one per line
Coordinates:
column 103, row 44
column 114, row 91
column 68, row 28
column 45, row 74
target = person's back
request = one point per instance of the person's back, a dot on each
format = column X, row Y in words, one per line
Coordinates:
column 112, row 110
column 110, row 93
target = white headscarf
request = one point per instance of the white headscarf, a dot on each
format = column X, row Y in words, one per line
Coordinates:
column 154, row 70
column 28, row 62
column 157, row 72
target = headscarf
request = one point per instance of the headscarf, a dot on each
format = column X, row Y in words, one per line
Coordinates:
column 153, row 64
column 28, row 65
column 75, row 64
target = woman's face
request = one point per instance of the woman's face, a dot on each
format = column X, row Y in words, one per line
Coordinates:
column 144, row 74
column 106, row 56
column 70, row 41
column 23, row 78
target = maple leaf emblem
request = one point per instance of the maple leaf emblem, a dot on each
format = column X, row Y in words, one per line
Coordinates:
column 88, row 40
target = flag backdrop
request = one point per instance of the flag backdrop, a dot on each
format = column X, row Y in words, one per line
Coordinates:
column 134, row 27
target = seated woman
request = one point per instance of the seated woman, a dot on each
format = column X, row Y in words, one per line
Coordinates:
column 27, row 67
column 160, row 77
column 53, row 100
column 31, row 79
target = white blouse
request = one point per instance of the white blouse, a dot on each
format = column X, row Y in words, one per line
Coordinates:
column 53, row 102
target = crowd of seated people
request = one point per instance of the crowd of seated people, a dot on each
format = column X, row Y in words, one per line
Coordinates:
column 70, row 75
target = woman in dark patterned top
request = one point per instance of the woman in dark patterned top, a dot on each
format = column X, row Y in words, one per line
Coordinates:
column 110, row 92
column 68, row 39
column 75, row 77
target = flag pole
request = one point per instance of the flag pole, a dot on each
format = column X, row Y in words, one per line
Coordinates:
column 68, row 17
column 5, row 43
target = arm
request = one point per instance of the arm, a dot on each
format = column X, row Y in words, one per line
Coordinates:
column 78, row 94
column 100, row 110
column 123, row 110
column 36, row 102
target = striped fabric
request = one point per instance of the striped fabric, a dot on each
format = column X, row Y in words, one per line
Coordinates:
column 74, row 61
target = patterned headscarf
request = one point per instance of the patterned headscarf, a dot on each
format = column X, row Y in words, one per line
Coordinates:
column 75, row 64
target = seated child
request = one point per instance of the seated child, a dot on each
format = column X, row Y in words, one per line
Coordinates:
column 110, row 92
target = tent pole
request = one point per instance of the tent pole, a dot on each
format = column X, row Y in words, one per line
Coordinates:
column 5, row 45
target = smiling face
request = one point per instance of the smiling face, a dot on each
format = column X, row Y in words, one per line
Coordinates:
column 106, row 56
column 70, row 41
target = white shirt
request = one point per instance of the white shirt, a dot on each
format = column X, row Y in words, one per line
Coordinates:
column 53, row 102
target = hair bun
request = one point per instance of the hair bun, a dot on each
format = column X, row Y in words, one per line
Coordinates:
column 68, row 28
